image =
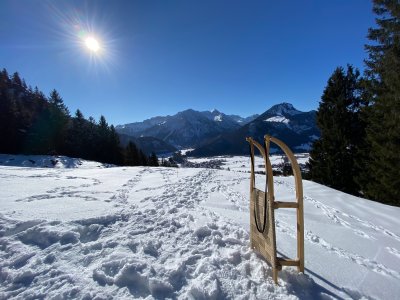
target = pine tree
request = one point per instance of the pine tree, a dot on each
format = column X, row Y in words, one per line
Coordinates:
column 91, row 141
column 332, row 158
column 143, row 160
column 153, row 160
column 381, row 177
column 101, row 141
column 115, row 149
column 79, row 116
column 8, row 116
column 75, row 139
column 16, row 80
column 59, row 117
column 131, row 155
column 38, row 95
column 4, row 81
column 56, row 101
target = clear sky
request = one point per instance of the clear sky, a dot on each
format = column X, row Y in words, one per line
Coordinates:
column 161, row 57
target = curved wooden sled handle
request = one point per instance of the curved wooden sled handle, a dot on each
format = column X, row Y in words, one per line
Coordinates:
column 299, row 198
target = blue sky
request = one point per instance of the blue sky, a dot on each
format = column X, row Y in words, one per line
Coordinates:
column 161, row 57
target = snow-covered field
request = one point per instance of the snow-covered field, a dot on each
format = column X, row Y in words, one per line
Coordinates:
column 242, row 163
column 84, row 231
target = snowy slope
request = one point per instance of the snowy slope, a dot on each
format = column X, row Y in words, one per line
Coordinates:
column 140, row 232
column 241, row 163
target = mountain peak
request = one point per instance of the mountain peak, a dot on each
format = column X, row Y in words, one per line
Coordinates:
column 283, row 108
column 189, row 110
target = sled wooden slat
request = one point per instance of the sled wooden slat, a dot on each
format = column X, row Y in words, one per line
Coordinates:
column 288, row 262
column 279, row 204
column 263, row 205
column 264, row 243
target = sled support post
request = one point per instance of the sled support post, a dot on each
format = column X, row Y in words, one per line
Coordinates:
column 263, row 205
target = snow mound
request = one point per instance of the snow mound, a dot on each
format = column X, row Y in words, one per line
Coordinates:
column 46, row 161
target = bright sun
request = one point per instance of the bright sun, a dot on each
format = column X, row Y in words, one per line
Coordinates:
column 92, row 44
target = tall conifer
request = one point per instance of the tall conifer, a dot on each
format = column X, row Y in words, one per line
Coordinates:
column 381, row 177
column 131, row 155
column 332, row 159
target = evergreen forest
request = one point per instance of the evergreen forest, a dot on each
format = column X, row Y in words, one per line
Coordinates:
column 31, row 123
column 359, row 118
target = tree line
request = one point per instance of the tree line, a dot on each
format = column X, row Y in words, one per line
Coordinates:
column 31, row 123
column 359, row 118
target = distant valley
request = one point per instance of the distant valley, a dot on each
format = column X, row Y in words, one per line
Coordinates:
column 215, row 133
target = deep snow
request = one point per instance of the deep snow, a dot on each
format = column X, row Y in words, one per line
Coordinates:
column 81, row 230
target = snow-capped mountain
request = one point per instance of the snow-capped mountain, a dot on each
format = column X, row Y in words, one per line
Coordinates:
column 296, row 128
column 135, row 129
column 283, row 109
column 285, row 116
column 215, row 133
column 187, row 128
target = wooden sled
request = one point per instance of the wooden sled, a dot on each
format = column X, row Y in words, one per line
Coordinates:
column 263, row 205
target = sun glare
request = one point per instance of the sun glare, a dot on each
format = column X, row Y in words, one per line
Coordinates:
column 92, row 44
column 87, row 38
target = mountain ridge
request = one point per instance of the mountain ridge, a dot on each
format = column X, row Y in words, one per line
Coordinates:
column 188, row 128
column 296, row 128
column 215, row 133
